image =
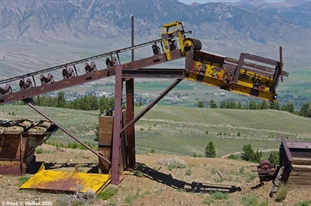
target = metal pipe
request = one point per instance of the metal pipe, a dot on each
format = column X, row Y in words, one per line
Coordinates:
column 64, row 130
column 132, row 18
column 142, row 113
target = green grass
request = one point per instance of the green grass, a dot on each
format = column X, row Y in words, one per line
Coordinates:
column 304, row 203
column 107, row 193
column 22, row 180
column 253, row 201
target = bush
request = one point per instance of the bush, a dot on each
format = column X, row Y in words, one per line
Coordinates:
column 282, row 192
column 219, row 195
column 152, row 150
column 232, row 156
column 39, row 150
column 138, row 173
column 304, row 203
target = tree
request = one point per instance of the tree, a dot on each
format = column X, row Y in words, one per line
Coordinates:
column 248, row 154
column 212, row 104
column 264, row 105
column 253, row 105
column 239, row 105
column 274, row 158
column 275, row 105
column 291, row 107
column 200, row 104
column 305, row 109
column 233, row 105
column 61, row 101
column 210, row 150
column 223, row 105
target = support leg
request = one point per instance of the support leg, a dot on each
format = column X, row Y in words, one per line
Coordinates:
column 117, row 126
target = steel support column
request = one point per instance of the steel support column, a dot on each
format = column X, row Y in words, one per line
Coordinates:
column 117, row 126
column 154, row 102
column 130, row 112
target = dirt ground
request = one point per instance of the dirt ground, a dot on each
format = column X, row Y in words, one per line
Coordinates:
column 152, row 182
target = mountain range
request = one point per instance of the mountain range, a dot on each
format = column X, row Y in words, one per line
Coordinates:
column 254, row 25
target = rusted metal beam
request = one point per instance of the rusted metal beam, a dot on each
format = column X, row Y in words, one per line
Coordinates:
column 76, row 80
column 154, row 102
column 130, row 132
column 117, row 125
column 285, row 154
column 154, row 73
column 67, row 132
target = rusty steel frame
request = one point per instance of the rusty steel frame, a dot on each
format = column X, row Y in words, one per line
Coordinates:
column 117, row 125
column 285, row 155
column 130, row 132
column 64, row 130
column 87, row 77
column 291, row 150
column 154, row 102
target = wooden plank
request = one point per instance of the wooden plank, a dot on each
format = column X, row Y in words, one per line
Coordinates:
column 221, row 175
column 302, row 168
column 301, row 161
column 298, row 180
column 105, row 125
column 304, row 174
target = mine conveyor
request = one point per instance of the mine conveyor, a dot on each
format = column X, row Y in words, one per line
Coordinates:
column 226, row 73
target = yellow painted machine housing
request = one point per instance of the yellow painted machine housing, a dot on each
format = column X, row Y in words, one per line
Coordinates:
column 222, row 72
column 168, row 32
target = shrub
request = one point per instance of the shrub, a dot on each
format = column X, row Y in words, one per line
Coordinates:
column 304, row 203
column 232, row 156
column 219, row 195
column 282, row 192
column 138, row 173
column 188, row 172
column 39, row 150
column 152, row 150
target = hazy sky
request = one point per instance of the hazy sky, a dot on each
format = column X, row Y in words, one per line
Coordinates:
column 206, row 1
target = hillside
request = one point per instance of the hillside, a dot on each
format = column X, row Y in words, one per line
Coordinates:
column 182, row 130
column 170, row 175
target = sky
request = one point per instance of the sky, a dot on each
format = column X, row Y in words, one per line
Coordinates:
column 206, row 1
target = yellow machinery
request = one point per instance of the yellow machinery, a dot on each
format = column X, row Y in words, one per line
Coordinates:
column 257, row 77
column 239, row 76
column 175, row 30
